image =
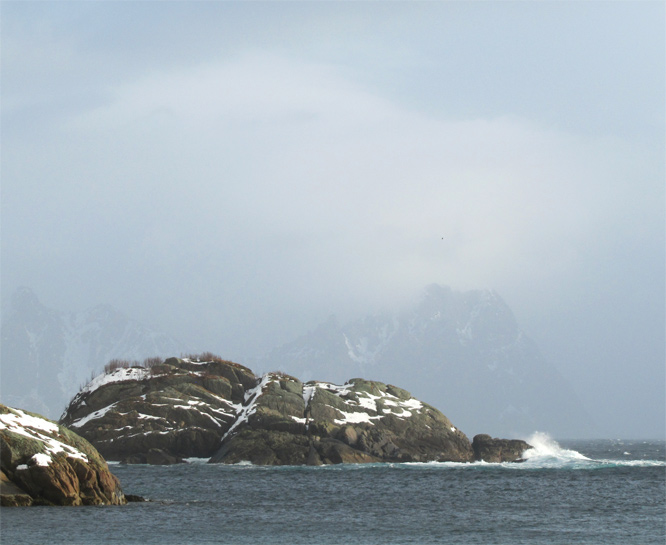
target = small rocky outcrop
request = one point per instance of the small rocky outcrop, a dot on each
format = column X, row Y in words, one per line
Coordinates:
column 47, row 464
column 491, row 449
column 220, row 410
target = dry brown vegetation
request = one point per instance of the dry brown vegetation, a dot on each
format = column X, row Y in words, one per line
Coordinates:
column 149, row 363
column 209, row 357
column 119, row 364
column 203, row 357
column 126, row 364
column 154, row 362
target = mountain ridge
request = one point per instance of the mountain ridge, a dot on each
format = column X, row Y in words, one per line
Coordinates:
column 462, row 350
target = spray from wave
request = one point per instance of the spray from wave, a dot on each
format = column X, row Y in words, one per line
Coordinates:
column 546, row 452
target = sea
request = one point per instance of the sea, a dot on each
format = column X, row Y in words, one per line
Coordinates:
column 568, row 492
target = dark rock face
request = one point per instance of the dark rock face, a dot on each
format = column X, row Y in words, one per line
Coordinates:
column 47, row 464
column 222, row 411
column 320, row 423
column 11, row 495
column 181, row 408
column 491, row 449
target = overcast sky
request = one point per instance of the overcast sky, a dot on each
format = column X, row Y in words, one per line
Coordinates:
column 235, row 172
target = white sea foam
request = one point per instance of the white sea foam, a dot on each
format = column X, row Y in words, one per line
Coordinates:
column 546, row 452
column 196, row 460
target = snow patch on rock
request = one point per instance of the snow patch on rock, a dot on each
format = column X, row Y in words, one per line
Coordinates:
column 39, row 429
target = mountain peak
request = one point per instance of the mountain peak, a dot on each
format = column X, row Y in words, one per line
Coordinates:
column 461, row 350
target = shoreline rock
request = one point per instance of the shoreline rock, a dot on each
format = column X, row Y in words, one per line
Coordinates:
column 220, row 410
column 492, row 449
column 43, row 463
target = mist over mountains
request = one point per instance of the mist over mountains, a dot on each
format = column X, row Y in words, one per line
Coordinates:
column 462, row 352
column 47, row 355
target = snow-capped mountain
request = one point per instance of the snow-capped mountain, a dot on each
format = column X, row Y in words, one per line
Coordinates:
column 461, row 352
column 47, row 355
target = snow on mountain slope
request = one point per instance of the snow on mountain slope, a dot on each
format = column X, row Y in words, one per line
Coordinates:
column 462, row 352
column 46, row 355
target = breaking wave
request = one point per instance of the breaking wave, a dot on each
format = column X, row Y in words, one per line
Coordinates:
column 547, row 453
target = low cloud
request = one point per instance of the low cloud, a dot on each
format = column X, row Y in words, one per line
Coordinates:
column 294, row 184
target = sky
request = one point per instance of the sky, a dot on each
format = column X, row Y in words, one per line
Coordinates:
column 235, row 172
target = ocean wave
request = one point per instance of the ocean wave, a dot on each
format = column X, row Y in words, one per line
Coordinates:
column 547, row 453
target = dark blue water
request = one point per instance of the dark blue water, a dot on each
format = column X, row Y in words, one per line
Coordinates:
column 604, row 492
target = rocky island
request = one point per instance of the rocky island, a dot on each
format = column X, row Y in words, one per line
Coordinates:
column 206, row 407
column 47, row 464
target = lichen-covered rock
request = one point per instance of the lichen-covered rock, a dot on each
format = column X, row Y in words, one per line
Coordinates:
column 181, row 407
column 490, row 449
column 288, row 422
column 220, row 410
column 46, row 464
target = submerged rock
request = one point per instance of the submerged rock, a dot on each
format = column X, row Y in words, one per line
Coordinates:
column 220, row 410
column 47, row 464
column 133, row 498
